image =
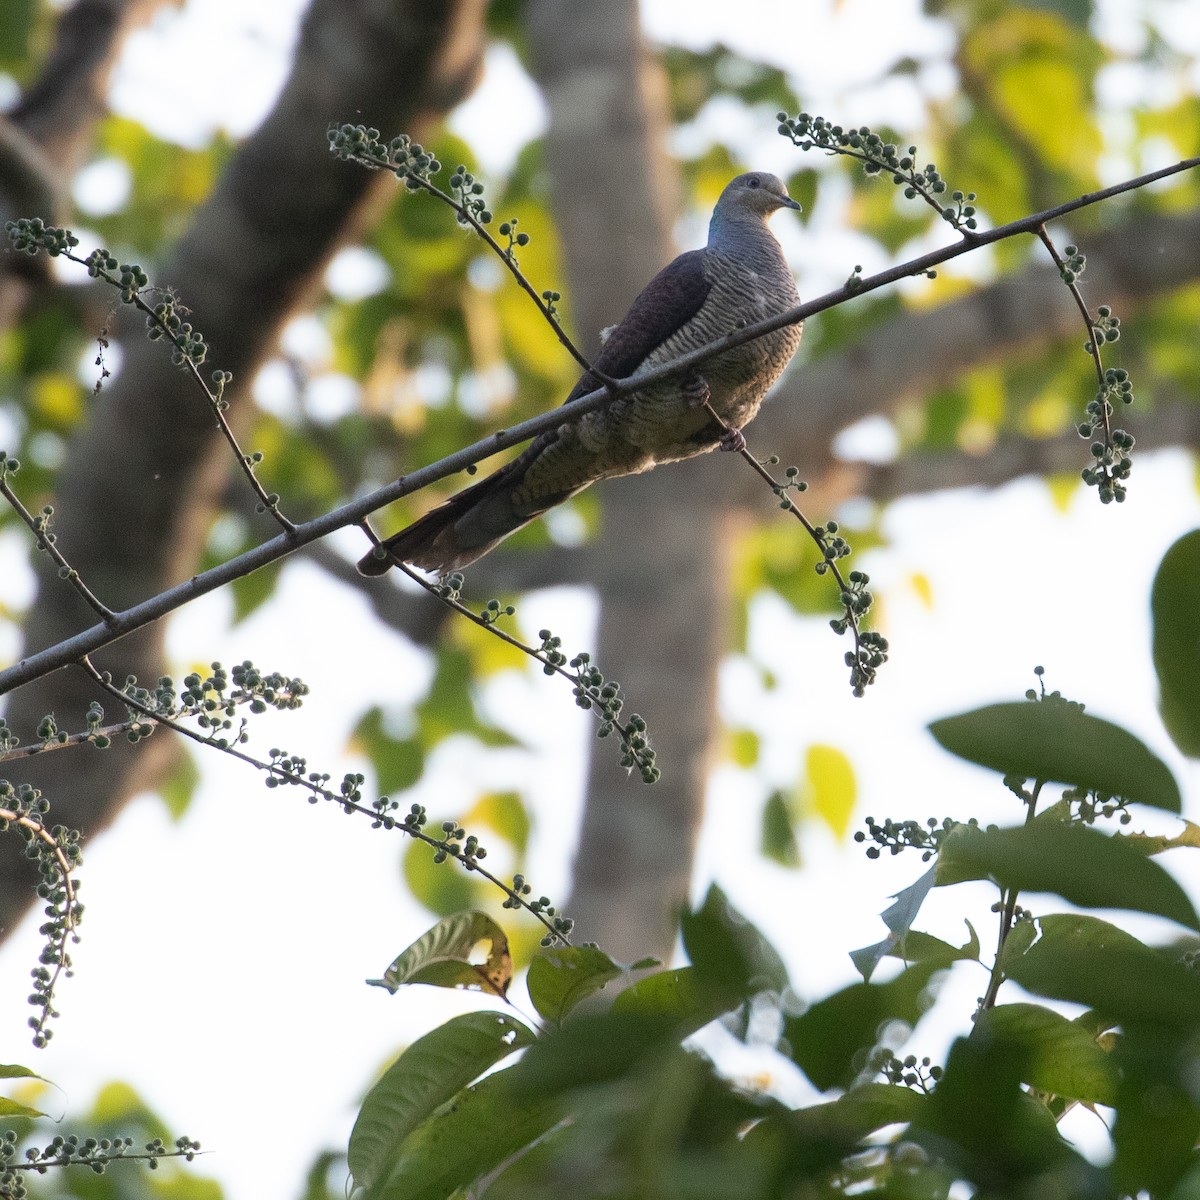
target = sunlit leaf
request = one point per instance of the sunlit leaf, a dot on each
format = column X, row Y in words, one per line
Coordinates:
column 562, row 976
column 445, row 957
column 429, row 1073
column 1056, row 1054
column 830, row 789
column 1055, row 740
column 468, row 1137
column 1087, row 961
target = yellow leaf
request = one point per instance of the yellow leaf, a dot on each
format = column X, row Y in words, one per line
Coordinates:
column 57, row 398
column 830, row 789
column 1063, row 489
column 743, row 747
column 489, row 653
column 919, row 582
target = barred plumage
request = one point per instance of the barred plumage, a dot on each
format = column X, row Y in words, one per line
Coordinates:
column 739, row 278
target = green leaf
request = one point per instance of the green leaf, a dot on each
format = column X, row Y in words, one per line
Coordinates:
column 1055, row 740
column 982, row 1120
column 814, row 1139
column 443, row 957
column 469, row 1137
column 398, row 762
column 1088, row 961
column 1175, row 609
column 1078, row 863
column 180, row 786
column 13, row 1071
column 728, row 951
column 10, row 1108
column 917, row 947
column 778, row 841
column 559, row 978
column 682, row 997
column 442, row 887
column 1057, row 1055
column 429, row 1073
column 830, row 1041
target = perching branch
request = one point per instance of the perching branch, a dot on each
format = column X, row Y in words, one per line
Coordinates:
column 137, row 616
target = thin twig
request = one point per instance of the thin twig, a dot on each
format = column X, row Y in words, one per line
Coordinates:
column 279, row 773
column 46, row 541
column 632, row 732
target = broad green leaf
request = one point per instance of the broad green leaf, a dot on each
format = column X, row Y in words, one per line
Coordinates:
column 430, row 1072
column 816, row 1138
column 560, row 977
column 682, row 997
column 983, row 1121
column 1078, row 863
column 13, row 1071
column 596, row 1048
column 1088, row 961
column 728, row 951
column 1055, row 740
column 470, row 1136
column 1175, row 608
column 1057, row 1055
column 829, row 788
column 443, row 957
column 830, row 1041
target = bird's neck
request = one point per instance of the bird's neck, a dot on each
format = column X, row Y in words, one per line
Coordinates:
column 746, row 237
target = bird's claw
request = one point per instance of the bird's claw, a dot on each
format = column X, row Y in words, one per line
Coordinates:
column 695, row 390
column 733, row 440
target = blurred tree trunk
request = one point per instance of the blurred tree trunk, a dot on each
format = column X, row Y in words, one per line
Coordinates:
column 658, row 563
column 46, row 137
column 144, row 477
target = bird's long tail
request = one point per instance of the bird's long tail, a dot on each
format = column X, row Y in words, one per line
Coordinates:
column 468, row 525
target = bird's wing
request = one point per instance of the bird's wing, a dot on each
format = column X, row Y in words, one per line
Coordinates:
column 667, row 303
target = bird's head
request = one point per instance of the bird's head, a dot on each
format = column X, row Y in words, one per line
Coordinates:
column 756, row 192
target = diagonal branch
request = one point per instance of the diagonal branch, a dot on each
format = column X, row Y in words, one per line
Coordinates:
column 140, row 615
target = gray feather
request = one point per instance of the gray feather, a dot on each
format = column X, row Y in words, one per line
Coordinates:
column 738, row 278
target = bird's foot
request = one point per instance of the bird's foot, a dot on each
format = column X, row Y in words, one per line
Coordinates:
column 695, row 390
column 732, row 440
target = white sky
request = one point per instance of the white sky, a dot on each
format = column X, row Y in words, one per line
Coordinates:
column 223, row 958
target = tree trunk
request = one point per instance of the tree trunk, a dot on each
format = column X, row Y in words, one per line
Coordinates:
column 658, row 563
column 144, row 477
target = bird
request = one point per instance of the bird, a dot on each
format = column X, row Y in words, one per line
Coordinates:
column 738, row 278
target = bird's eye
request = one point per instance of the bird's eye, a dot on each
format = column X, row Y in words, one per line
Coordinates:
column 754, row 181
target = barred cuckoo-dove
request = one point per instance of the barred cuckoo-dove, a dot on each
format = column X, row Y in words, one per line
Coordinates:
column 738, row 278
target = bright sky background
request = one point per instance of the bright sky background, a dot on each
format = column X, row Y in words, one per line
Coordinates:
column 223, row 959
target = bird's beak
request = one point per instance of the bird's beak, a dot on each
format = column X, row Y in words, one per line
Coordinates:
column 788, row 202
